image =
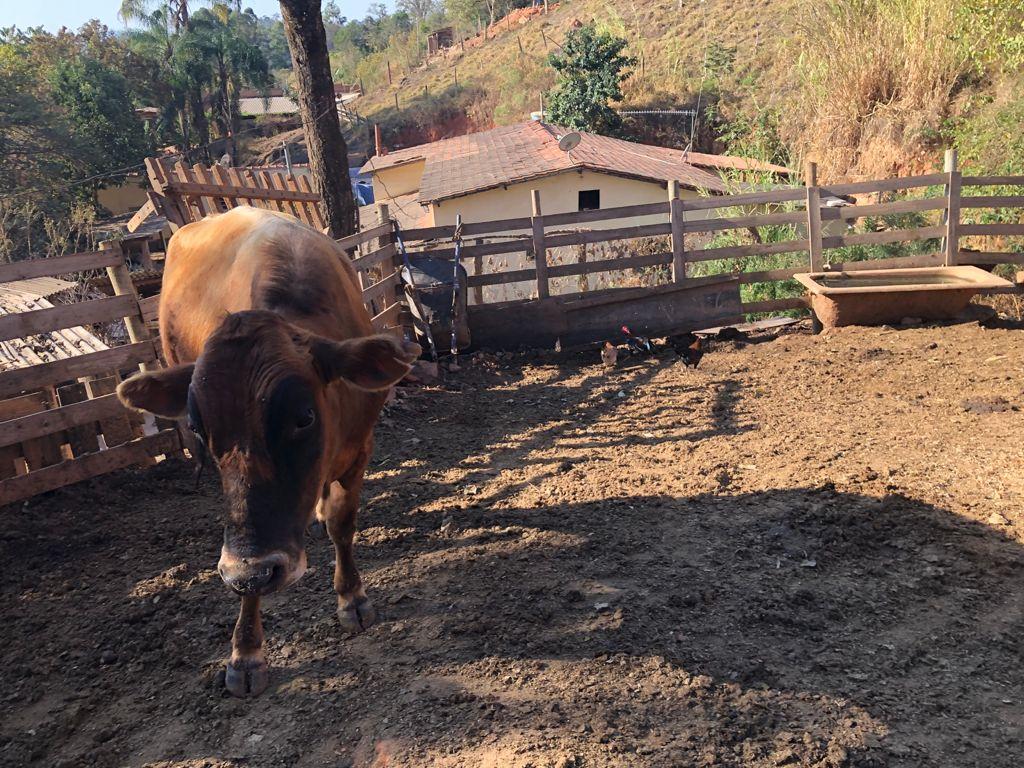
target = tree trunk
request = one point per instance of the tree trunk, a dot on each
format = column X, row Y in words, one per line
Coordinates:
column 199, row 123
column 328, row 155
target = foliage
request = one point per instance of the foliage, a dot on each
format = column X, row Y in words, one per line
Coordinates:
column 589, row 70
column 98, row 108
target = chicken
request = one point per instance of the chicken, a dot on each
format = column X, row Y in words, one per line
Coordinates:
column 688, row 346
column 609, row 355
column 637, row 345
column 692, row 354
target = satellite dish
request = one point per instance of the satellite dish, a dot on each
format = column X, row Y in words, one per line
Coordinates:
column 569, row 142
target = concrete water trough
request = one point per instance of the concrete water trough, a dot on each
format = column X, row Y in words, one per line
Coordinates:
column 880, row 296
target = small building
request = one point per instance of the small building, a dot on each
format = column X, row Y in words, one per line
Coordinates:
column 489, row 175
column 440, row 39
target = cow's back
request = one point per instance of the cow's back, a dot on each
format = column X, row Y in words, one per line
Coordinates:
column 249, row 258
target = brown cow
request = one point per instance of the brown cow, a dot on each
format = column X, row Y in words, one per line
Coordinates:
column 272, row 360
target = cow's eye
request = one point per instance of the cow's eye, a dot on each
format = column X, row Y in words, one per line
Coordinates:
column 306, row 419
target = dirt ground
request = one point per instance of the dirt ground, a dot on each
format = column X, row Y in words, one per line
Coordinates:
column 808, row 552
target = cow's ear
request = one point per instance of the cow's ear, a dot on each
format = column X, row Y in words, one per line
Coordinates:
column 371, row 362
column 163, row 392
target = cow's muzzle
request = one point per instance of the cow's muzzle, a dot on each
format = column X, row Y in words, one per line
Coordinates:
column 259, row 575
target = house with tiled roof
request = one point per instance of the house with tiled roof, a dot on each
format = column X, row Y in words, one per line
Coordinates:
column 490, row 175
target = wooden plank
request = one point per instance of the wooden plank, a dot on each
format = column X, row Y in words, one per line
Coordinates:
column 382, row 289
column 388, row 318
column 747, row 198
column 992, row 181
column 353, row 241
column 148, row 209
column 607, row 265
column 540, row 248
column 122, row 284
column 214, row 203
column 447, row 231
column 65, row 316
column 92, row 465
column 888, row 236
column 992, row 201
column 885, row 185
column 897, row 262
column 252, row 189
column 277, row 182
column 743, row 222
column 502, row 278
column 92, row 364
column 605, row 214
column 150, row 308
column 851, row 212
column 515, row 245
column 375, row 257
column 990, row 230
column 116, row 426
column 81, row 438
column 742, row 251
column 607, row 235
column 74, row 414
column 313, row 206
column 60, row 265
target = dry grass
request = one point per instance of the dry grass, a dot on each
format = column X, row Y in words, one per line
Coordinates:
column 875, row 78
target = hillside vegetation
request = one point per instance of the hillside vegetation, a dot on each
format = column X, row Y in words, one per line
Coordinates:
column 864, row 87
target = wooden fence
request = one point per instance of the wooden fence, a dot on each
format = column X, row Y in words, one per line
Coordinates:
column 687, row 220
column 61, row 420
column 186, row 194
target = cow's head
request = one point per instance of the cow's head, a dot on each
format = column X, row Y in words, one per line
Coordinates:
column 257, row 400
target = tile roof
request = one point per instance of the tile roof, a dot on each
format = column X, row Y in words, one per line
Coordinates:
column 526, row 151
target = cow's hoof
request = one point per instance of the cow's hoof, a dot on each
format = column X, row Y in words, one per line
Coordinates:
column 358, row 616
column 245, row 679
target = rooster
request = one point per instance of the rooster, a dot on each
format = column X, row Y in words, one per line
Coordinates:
column 690, row 347
column 637, row 345
column 609, row 355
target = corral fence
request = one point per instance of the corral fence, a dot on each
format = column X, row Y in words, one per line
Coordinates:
column 60, row 420
column 688, row 297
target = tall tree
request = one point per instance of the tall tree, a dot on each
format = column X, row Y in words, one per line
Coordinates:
column 328, row 155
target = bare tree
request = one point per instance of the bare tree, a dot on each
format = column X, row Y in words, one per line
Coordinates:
column 328, row 155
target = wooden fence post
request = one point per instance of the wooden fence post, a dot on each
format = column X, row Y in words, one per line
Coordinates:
column 539, row 250
column 478, row 269
column 675, row 212
column 813, row 216
column 951, row 216
column 123, row 286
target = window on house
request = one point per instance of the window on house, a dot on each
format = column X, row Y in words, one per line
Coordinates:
column 590, row 199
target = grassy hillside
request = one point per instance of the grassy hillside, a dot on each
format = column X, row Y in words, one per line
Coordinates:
column 732, row 47
column 865, row 87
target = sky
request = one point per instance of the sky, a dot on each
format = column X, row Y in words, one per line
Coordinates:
column 53, row 14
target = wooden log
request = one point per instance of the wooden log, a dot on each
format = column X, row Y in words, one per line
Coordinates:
column 502, row 278
column 747, row 198
column 851, row 212
column 992, row 181
column 353, row 241
column 989, row 257
column 447, row 231
column 92, row 465
column 540, row 250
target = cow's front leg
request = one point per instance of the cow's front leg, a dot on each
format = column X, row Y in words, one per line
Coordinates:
column 246, row 673
column 355, row 611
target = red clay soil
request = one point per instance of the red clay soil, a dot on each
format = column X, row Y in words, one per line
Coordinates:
column 807, row 552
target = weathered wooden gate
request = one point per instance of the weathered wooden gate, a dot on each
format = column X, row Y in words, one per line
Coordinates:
column 60, row 421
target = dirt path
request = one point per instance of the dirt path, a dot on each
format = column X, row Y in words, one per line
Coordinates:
column 807, row 552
